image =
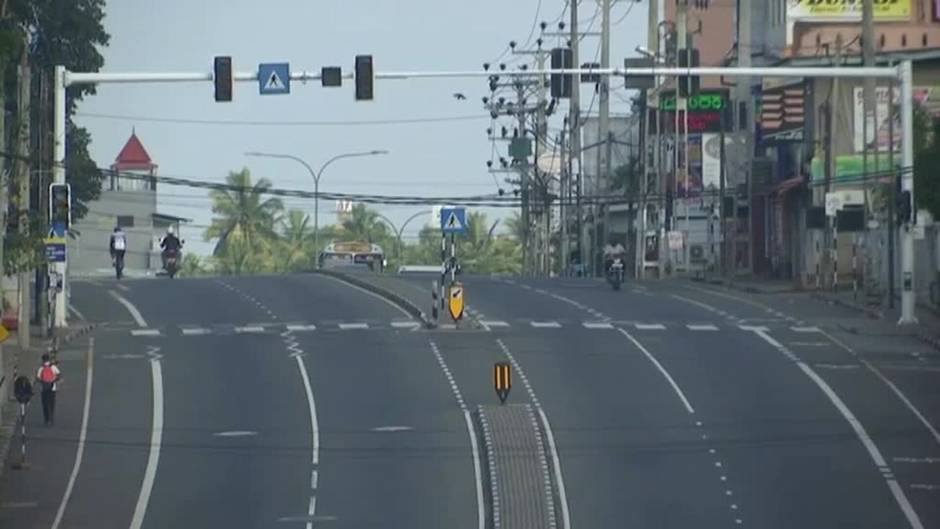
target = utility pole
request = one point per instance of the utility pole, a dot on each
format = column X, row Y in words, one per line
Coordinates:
column 832, row 244
column 574, row 123
column 603, row 126
column 744, row 94
column 563, row 194
column 23, row 174
column 524, row 181
column 541, row 135
column 868, row 55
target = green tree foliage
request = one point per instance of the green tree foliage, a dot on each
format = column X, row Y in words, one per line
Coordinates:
column 193, row 266
column 243, row 215
column 254, row 237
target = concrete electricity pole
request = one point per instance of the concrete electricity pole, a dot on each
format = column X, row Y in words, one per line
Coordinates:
column 603, row 128
column 574, row 123
column 868, row 55
column 744, row 94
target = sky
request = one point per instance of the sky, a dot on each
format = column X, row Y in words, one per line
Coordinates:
column 444, row 158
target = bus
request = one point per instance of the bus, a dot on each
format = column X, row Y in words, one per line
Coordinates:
column 353, row 253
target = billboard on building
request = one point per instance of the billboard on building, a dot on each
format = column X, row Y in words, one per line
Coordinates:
column 845, row 11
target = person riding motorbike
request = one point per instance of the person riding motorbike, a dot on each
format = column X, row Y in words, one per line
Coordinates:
column 612, row 252
column 118, row 244
column 170, row 243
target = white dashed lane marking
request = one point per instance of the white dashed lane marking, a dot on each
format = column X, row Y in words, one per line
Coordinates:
column 353, row 326
column 545, row 324
column 701, row 327
column 301, row 327
column 597, row 325
column 249, row 329
column 196, row 332
column 145, row 332
column 649, row 326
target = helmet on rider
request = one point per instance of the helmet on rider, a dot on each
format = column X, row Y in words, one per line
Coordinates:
column 169, row 230
column 117, row 229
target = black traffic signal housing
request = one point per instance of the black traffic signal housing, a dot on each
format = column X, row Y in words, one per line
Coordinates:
column 365, row 78
column 223, row 78
column 60, row 204
column 905, row 207
column 689, row 85
column 562, row 58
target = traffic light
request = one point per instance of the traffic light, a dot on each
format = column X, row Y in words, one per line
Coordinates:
column 689, row 84
column 562, row 58
column 904, row 207
column 222, row 77
column 365, row 77
column 60, row 204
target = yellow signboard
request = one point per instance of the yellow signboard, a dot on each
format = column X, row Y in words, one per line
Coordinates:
column 502, row 379
column 455, row 301
column 4, row 334
column 844, row 10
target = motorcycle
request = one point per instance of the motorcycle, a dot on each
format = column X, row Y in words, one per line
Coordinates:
column 615, row 274
column 172, row 263
column 118, row 262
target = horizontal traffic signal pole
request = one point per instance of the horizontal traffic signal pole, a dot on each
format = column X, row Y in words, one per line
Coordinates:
column 78, row 78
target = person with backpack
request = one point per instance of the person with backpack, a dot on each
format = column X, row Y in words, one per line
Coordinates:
column 48, row 377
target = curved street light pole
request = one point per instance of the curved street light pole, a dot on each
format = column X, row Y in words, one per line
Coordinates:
column 316, row 184
column 405, row 225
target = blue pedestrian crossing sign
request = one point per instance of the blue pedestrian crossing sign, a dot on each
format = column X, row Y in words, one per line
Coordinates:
column 274, row 78
column 453, row 220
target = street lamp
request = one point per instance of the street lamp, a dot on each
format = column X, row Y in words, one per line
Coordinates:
column 316, row 183
column 399, row 232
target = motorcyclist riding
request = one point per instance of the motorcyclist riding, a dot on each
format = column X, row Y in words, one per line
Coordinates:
column 170, row 243
column 612, row 252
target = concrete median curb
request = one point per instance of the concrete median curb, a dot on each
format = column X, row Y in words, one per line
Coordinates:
column 393, row 297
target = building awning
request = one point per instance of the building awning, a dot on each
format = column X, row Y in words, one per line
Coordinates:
column 169, row 218
column 789, row 184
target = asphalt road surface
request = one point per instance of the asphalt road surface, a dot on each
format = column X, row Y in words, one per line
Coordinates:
column 301, row 401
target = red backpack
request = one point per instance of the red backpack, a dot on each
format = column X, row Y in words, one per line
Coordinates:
column 47, row 376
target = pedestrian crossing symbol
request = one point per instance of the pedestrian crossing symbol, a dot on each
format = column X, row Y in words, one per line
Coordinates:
column 453, row 220
column 274, row 78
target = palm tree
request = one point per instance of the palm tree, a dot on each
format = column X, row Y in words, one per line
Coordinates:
column 363, row 224
column 243, row 212
column 296, row 244
column 516, row 227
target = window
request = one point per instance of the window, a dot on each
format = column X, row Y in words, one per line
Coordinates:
column 923, row 40
column 881, row 41
column 125, row 221
column 904, row 40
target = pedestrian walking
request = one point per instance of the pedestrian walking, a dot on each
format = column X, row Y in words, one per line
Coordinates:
column 48, row 377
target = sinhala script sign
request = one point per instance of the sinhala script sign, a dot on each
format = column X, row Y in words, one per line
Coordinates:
column 843, row 10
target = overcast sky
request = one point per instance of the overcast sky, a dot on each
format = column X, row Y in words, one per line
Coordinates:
column 446, row 158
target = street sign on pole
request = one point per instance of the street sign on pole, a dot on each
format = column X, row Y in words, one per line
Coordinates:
column 55, row 244
column 274, row 78
column 453, row 220
column 455, row 301
column 502, row 380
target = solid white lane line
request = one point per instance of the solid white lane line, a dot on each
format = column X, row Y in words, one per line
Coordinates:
column 141, row 322
column 891, row 385
column 649, row 326
column 493, row 323
column 374, row 295
column 249, row 329
column 857, row 427
column 698, row 304
column 597, row 325
column 805, row 329
column 353, row 326
column 312, row 409
column 545, row 324
column 301, row 328
column 145, row 332
column 156, row 438
column 662, row 370
column 550, row 437
column 77, row 312
column 82, row 434
column 701, row 327
column 474, row 447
